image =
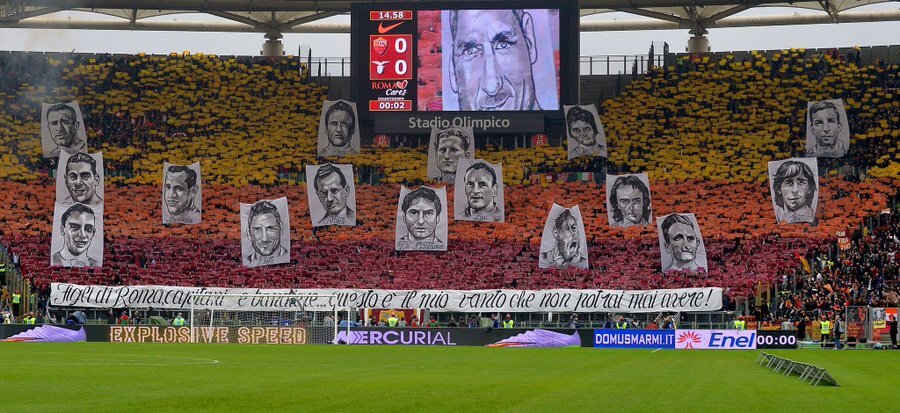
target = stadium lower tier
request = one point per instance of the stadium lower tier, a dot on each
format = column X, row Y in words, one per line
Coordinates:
column 744, row 244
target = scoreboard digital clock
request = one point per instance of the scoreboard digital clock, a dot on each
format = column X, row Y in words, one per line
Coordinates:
column 404, row 105
column 382, row 15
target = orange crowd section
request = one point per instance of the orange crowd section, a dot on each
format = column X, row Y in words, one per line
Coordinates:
column 724, row 210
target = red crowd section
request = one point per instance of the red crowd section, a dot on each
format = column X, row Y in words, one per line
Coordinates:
column 744, row 244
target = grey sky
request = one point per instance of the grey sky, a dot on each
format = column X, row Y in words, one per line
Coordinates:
column 338, row 45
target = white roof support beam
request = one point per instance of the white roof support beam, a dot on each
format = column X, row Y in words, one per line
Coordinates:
column 286, row 26
column 234, row 17
column 656, row 15
column 728, row 12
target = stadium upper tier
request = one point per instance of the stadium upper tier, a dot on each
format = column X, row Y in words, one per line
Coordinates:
column 247, row 119
column 726, row 119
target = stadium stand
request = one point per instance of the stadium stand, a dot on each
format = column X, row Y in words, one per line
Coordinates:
column 730, row 118
column 703, row 132
column 864, row 275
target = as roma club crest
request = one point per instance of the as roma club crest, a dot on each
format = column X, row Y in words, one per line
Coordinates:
column 380, row 45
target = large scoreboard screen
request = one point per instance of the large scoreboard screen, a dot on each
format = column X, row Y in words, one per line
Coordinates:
column 475, row 60
column 391, row 61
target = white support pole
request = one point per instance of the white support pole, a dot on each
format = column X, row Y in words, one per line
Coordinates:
column 209, row 330
column 192, row 321
column 335, row 317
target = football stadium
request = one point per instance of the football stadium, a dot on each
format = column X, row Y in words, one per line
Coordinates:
column 469, row 210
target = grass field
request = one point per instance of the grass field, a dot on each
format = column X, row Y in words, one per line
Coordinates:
column 106, row 377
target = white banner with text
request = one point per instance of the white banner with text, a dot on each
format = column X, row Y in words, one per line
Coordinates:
column 561, row 300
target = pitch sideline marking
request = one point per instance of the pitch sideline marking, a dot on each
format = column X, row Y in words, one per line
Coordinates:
column 200, row 361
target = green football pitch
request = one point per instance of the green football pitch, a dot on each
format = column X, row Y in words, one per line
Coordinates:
column 106, row 377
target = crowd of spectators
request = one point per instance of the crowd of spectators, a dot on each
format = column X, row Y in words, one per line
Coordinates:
column 731, row 116
column 700, row 133
column 728, row 118
column 866, row 273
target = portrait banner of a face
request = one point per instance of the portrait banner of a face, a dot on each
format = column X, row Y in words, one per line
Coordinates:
column 446, row 148
column 331, row 194
column 182, row 194
column 584, row 132
column 478, row 191
column 79, row 179
column 827, row 129
column 265, row 233
column 77, row 239
column 500, row 60
column 794, row 186
column 338, row 129
column 421, row 219
column 628, row 200
column 680, row 243
column 62, row 129
column 563, row 244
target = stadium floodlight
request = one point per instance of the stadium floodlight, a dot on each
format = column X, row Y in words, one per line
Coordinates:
column 266, row 318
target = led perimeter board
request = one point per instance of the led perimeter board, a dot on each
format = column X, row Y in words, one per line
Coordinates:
column 496, row 66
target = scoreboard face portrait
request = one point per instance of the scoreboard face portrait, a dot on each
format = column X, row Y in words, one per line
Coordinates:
column 495, row 57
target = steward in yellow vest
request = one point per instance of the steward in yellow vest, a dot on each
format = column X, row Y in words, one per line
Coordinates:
column 825, row 327
column 17, row 303
column 178, row 321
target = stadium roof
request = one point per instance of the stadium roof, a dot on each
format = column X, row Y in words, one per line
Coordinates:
column 285, row 16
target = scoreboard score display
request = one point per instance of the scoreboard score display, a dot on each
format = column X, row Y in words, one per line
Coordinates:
column 421, row 64
column 391, row 61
